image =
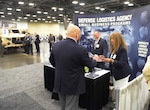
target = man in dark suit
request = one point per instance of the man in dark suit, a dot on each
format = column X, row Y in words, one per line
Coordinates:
column 69, row 59
column 100, row 48
column 37, row 42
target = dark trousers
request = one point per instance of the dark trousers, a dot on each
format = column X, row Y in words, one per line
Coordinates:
column 37, row 46
column 1, row 50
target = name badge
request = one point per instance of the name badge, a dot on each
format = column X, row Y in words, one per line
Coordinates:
column 114, row 56
column 97, row 46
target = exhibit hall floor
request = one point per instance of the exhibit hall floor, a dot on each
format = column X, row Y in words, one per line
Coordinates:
column 22, row 81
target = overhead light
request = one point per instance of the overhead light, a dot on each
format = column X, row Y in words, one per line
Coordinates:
column 31, row 20
column 126, row 2
column 25, row 18
column 61, row 9
column 97, row 8
column 1, row 12
column 2, row 16
column 76, row 11
column 48, row 17
column 82, row 4
column 35, row 20
column 31, row 4
column 43, row 19
column 21, row 3
column 27, row 14
column 20, row 17
column 54, row 8
column 53, row 17
column 102, row 9
column 60, row 14
column 9, row 13
column 34, row 16
column 39, row 12
column 112, row 11
column 74, row 2
column 9, row 8
column 18, row 9
column 39, row 19
column 81, row 12
column 45, row 13
column 13, row 19
column 130, row 4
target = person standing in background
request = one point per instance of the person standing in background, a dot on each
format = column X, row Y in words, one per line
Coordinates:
column 100, row 48
column 28, row 44
column 1, row 48
column 119, row 66
column 51, row 41
column 37, row 42
column 69, row 59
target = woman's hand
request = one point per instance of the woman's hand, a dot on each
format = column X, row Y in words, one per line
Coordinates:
column 108, row 60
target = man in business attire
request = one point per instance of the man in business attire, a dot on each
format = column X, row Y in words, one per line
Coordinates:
column 69, row 59
column 100, row 48
column 37, row 42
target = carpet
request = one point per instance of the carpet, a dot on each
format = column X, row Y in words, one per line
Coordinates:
column 19, row 101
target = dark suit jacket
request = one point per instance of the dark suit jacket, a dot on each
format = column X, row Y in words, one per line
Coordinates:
column 120, row 68
column 69, row 60
column 101, row 49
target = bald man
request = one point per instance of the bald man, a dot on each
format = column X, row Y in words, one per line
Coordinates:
column 100, row 48
column 69, row 59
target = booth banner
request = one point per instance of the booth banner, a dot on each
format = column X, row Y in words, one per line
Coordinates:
column 134, row 25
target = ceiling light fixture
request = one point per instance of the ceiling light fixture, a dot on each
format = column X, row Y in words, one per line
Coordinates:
column 61, row 9
column 9, row 13
column 1, row 12
column 21, row 3
column 81, row 4
column 60, row 14
column 3, row 16
column 74, row 2
column 34, row 16
column 130, row 4
column 39, row 12
column 126, row 2
column 102, row 9
column 48, row 17
column 45, row 13
column 9, row 8
column 27, row 14
column 76, row 11
column 31, row 4
column 97, row 8
column 18, row 9
column 81, row 12
column 112, row 11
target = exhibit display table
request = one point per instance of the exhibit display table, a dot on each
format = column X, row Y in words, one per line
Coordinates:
column 97, row 88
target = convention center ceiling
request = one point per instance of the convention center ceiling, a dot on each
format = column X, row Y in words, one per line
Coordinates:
column 57, row 10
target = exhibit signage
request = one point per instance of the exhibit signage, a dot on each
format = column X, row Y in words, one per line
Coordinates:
column 134, row 25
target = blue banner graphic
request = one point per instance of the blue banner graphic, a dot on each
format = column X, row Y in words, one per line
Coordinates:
column 134, row 25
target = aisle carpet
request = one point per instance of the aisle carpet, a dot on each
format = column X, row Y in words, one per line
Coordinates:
column 15, row 82
column 19, row 101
